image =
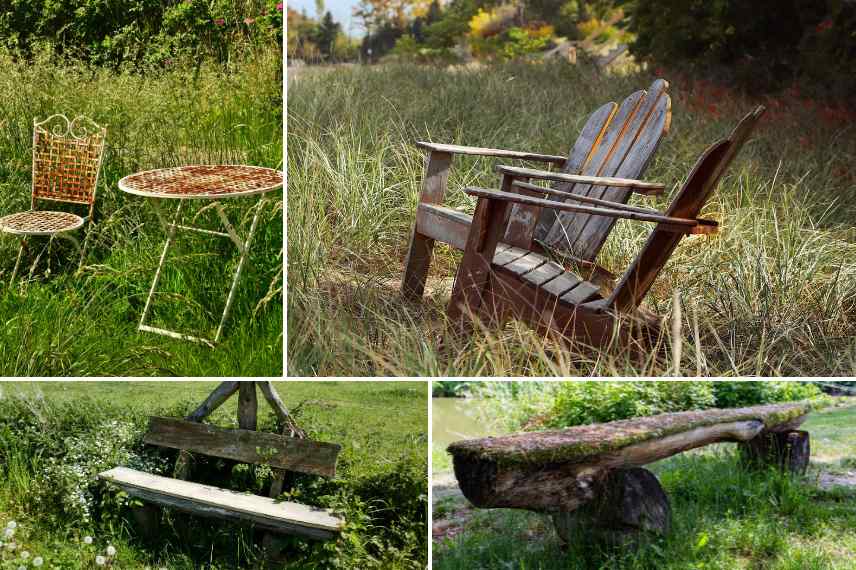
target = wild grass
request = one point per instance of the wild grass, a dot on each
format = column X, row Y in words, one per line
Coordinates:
column 723, row 517
column 772, row 294
column 52, row 442
column 58, row 322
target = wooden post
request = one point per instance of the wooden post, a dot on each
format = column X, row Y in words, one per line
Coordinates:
column 628, row 505
column 418, row 261
column 248, row 406
column 788, row 450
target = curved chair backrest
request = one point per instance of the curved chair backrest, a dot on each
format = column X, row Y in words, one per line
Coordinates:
column 617, row 141
column 700, row 184
column 67, row 159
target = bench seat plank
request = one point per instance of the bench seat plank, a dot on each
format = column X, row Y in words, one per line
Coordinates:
column 206, row 500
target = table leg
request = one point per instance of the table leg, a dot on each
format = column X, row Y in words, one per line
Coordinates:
column 170, row 235
column 244, row 249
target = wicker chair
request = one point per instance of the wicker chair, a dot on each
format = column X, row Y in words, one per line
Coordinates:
column 66, row 163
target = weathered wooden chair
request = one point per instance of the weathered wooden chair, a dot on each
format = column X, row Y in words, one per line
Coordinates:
column 282, row 453
column 66, row 163
column 591, row 480
column 497, row 281
column 617, row 140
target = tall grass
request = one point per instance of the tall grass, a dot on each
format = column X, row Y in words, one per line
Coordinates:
column 58, row 322
column 772, row 294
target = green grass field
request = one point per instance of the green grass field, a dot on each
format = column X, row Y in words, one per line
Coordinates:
column 722, row 516
column 772, row 294
column 58, row 322
column 380, row 487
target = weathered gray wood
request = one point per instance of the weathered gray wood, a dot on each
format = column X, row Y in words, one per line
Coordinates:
column 295, row 454
column 490, row 152
column 206, row 500
column 547, row 271
column 506, row 254
column 214, row 400
column 434, row 182
column 525, row 264
column 629, row 505
column 561, row 284
column 582, row 293
column 558, row 470
column 278, row 406
column 443, row 224
column 787, row 450
column 638, row 185
column 248, row 405
column 567, row 196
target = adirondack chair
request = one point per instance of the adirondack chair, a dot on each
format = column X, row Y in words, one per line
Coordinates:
column 498, row 281
column 617, row 140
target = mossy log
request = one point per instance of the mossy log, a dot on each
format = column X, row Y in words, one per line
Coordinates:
column 559, row 470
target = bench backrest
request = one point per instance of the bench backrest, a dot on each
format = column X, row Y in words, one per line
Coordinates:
column 617, row 141
column 246, row 446
column 703, row 179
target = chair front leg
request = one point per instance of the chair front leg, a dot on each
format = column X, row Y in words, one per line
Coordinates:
column 18, row 261
column 434, row 182
column 468, row 294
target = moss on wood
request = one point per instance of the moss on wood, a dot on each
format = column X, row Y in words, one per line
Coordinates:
column 581, row 442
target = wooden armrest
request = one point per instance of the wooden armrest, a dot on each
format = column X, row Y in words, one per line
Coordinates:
column 495, row 152
column 649, row 188
column 583, row 199
column 666, row 223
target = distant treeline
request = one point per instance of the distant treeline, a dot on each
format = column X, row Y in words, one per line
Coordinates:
column 139, row 32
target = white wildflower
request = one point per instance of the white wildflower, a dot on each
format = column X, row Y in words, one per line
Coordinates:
column 87, row 539
column 100, row 560
column 38, row 561
column 12, row 525
column 24, row 555
column 111, row 550
column 9, row 532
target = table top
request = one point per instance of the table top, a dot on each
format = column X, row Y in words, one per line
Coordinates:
column 202, row 181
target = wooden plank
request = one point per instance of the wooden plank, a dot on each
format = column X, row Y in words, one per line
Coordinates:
column 703, row 178
column 490, row 152
column 295, row 454
column 582, row 293
column 279, row 409
column 560, row 285
column 214, row 400
column 568, row 197
column 549, row 270
column 525, row 264
column 434, row 181
column 613, row 182
column 443, row 224
column 206, row 500
column 508, row 254
column 248, row 405
column 522, row 218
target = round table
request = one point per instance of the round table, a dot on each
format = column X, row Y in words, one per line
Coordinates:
column 201, row 182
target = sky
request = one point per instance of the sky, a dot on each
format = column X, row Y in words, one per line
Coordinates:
column 341, row 10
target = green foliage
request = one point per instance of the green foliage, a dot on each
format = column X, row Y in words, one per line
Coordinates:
column 736, row 394
column 140, row 32
column 765, row 44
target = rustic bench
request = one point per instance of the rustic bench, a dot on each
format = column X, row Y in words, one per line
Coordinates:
column 282, row 453
column 590, row 477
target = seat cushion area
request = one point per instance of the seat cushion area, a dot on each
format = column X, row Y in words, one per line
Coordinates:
column 37, row 222
column 545, row 274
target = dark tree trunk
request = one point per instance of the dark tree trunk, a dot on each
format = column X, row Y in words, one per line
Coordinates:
column 787, row 450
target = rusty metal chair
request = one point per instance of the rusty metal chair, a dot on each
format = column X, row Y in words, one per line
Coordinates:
column 66, row 163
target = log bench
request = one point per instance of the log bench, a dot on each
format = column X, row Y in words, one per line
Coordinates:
column 282, row 453
column 591, row 477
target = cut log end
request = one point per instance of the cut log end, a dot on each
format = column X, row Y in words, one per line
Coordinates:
column 629, row 506
column 789, row 451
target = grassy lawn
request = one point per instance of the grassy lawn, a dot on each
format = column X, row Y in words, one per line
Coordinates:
column 772, row 294
column 722, row 517
column 58, row 322
column 50, row 450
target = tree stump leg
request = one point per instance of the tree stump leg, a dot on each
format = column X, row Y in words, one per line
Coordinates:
column 629, row 505
column 147, row 519
column 789, row 451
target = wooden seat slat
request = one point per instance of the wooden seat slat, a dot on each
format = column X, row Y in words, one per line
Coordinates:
column 525, row 264
column 547, row 271
column 582, row 293
column 213, row 501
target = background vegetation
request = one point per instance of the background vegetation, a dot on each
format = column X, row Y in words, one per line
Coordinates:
column 55, row 437
column 772, row 294
column 168, row 97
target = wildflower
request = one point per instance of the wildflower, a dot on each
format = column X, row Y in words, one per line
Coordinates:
column 12, row 524
column 100, row 560
column 25, row 554
column 279, row 7
column 11, row 546
column 111, row 550
column 38, row 561
column 22, row 567
column 87, row 540
column 824, row 25
column 249, row 21
column 220, row 22
column 9, row 532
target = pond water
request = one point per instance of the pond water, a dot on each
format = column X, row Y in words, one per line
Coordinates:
column 455, row 419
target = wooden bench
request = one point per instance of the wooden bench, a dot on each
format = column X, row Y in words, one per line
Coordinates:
column 591, row 476
column 282, row 453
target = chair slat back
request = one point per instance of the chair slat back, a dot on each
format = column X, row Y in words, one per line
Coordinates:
column 703, row 179
column 623, row 147
column 67, row 159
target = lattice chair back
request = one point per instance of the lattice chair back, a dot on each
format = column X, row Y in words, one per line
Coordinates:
column 67, row 159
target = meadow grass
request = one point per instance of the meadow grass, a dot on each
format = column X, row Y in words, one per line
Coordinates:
column 58, row 322
column 772, row 294
column 380, row 486
column 723, row 517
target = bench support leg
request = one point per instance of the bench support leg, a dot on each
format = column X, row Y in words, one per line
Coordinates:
column 628, row 505
column 789, row 451
column 147, row 518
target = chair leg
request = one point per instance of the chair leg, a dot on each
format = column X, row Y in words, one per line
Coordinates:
column 18, row 261
column 83, row 249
